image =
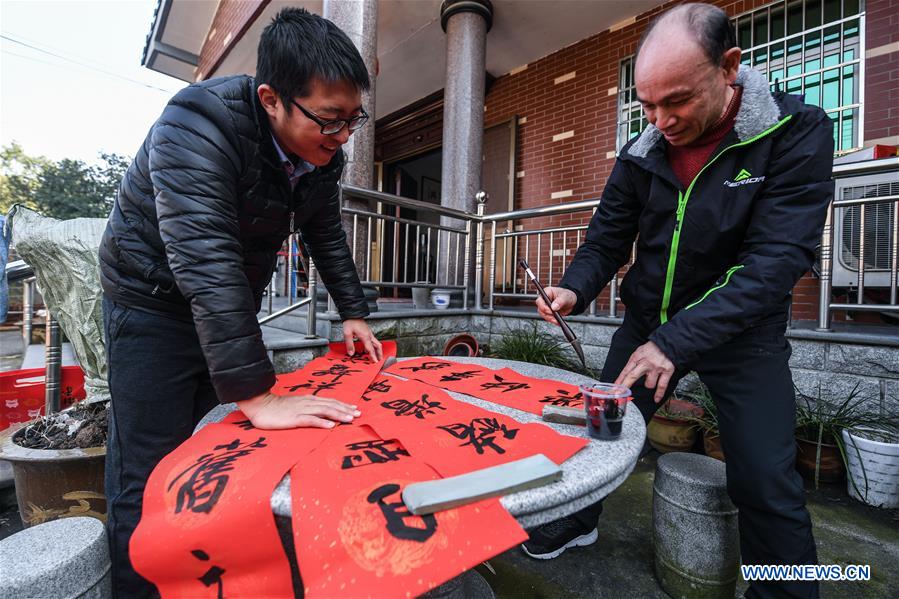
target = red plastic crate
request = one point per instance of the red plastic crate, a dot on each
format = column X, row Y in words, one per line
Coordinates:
column 22, row 393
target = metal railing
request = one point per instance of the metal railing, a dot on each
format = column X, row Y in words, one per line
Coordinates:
column 854, row 177
column 19, row 270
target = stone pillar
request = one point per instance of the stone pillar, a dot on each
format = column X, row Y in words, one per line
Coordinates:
column 359, row 20
column 466, row 23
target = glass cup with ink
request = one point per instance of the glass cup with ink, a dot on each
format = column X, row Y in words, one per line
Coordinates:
column 606, row 405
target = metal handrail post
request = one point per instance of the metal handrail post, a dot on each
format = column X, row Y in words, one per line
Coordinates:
column 824, row 288
column 481, row 200
column 311, row 315
column 53, row 360
column 27, row 309
column 613, row 297
column 492, row 267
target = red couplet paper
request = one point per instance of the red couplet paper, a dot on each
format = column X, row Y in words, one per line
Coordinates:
column 335, row 375
column 452, row 436
column 354, row 536
column 207, row 528
column 505, row 386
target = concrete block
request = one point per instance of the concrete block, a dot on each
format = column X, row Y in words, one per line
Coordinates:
column 596, row 357
column 694, row 523
column 480, row 324
column 868, row 360
column 68, row 557
column 807, row 354
column 291, row 359
column 598, row 334
column 835, row 386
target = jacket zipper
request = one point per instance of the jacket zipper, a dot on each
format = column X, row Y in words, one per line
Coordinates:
column 682, row 199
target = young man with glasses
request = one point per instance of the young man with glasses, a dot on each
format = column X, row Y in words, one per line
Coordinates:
column 230, row 169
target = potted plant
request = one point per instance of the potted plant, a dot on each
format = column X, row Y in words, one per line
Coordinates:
column 673, row 427
column 821, row 452
column 58, row 463
column 533, row 346
column 872, row 460
column 707, row 421
column 871, row 452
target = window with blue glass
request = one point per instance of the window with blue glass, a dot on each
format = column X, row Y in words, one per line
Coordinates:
column 811, row 48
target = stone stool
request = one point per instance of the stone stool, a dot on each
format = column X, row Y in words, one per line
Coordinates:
column 697, row 552
column 63, row 558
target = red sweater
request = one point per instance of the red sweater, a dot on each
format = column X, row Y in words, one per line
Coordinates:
column 686, row 161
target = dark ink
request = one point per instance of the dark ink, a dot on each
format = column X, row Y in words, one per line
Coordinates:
column 458, row 376
column 504, row 384
column 418, row 408
column 208, row 478
column 396, row 514
column 481, row 433
column 427, row 366
column 213, row 575
column 373, row 452
column 564, row 399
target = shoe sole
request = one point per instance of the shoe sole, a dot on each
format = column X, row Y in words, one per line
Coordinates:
column 581, row 541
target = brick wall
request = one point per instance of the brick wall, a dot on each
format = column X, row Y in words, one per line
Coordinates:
column 580, row 111
column 231, row 21
column 882, row 71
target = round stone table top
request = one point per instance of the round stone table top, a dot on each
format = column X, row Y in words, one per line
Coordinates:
column 588, row 476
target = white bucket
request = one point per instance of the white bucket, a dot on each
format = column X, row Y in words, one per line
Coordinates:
column 440, row 298
column 878, row 484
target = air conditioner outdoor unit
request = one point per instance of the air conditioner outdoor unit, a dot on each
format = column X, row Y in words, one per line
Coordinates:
column 880, row 223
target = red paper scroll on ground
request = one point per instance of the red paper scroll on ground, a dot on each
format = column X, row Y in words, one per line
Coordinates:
column 355, row 538
column 335, row 375
column 505, row 386
column 453, row 436
column 207, row 528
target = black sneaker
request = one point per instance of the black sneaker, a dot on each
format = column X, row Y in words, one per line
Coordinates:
column 551, row 539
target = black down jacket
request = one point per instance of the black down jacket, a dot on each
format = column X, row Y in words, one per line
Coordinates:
column 199, row 218
column 722, row 255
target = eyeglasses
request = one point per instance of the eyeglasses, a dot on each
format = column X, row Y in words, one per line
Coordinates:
column 334, row 126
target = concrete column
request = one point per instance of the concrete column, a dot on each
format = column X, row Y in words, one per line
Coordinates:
column 359, row 20
column 466, row 23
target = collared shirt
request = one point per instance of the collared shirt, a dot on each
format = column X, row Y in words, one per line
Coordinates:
column 294, row 171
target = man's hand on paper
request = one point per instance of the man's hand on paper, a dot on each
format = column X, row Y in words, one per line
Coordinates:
column 356, row 328
column 270, row 411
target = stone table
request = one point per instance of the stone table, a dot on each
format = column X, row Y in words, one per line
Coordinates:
column 588, row 476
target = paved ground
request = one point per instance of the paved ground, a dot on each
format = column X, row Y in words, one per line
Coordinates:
column 620, row 563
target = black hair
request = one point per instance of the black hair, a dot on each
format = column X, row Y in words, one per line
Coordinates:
column 710, row 26
column 298, row 46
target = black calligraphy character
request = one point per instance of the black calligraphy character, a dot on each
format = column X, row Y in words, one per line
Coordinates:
column 418, row 408
column 504, row 384
column 381, row 386
column 316, row 387
column 564, row 399
column 338, row 371
column 376, row 452
column 213, row 575
column 427, row 366
column 208, row 478
column 481, row 433
column 245, row 425
column 357, row 358
column 396, row 514
column 458, row 376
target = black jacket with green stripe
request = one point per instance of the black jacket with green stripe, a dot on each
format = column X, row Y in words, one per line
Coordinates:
column 722, row 255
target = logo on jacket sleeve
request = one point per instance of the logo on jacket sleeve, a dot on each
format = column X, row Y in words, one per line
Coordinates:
column 744, row 177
